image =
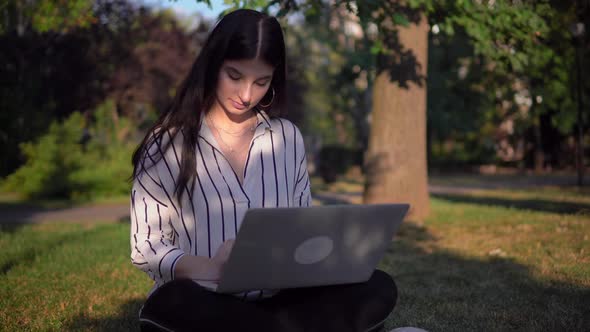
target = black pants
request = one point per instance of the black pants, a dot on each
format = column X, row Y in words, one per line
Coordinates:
column 183, row 305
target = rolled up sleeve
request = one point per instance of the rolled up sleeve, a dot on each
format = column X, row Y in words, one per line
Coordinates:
column 154, row 245
column 302, row 194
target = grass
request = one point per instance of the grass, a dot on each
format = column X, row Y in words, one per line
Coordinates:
column 63, row 277
column 473, row 267
column 478, row 263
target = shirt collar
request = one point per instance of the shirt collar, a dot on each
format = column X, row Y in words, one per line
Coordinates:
column 263, row 119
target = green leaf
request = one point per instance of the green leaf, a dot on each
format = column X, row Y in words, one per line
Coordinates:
column 400, row 19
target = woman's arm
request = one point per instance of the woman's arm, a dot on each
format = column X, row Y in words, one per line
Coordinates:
column 154, row 248
column 204, row 268
column 197, row 267
column 302, row 190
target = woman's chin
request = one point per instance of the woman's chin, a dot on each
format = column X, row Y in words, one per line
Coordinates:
column 237, row 113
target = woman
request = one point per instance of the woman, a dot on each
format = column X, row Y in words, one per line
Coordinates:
column 219, row 149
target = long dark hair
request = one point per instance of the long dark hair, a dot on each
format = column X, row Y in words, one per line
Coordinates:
column 240, row 35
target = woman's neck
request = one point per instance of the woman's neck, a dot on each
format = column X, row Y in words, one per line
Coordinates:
column 231, row 122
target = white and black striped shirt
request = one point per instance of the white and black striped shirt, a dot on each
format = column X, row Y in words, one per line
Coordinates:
column 275, row 175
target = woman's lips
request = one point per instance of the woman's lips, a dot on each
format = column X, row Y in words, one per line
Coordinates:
column 238, row 105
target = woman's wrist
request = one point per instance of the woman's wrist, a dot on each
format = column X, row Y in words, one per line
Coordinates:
column 196, row 267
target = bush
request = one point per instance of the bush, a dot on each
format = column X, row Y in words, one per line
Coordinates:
column 50, row 161
column 77, row 160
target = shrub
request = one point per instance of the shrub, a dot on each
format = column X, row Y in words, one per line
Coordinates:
column 77, row 159
column 50, row 161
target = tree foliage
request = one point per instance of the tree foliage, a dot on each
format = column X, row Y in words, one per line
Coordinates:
column 501, row 74
column 507, row 90
column 130, row 54
column 46, row 15
column 520, row 65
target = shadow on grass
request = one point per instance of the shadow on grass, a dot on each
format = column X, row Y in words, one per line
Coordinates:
column 34, row 250
column 540, row 205
column 443, row 291
column 10, row 228
column 33, row 205
column 29, row 256
column 15, row 215
column 125, row 320
column 517, row 180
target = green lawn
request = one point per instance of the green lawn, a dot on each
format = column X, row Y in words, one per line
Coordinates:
column 477, row 264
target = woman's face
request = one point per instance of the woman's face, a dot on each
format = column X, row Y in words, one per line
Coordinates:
column 242, row 84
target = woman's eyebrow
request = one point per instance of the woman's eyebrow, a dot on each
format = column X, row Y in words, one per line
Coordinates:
column 238, row 72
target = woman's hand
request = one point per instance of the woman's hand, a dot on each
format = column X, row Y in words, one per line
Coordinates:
column 222, row 254
column 204, row 268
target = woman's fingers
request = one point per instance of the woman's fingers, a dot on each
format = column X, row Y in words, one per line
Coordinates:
column 224, row 250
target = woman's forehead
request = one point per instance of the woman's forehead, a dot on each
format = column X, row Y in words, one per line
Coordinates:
column 251, row 67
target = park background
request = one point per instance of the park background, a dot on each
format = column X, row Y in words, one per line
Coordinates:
column 473, row 111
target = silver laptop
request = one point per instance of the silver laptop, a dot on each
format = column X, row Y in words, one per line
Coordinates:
column 279, row 248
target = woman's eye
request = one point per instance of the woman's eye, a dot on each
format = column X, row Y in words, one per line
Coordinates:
column 262, row 84
column 235, row 78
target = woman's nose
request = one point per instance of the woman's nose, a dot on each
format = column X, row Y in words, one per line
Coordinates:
column 246, row 94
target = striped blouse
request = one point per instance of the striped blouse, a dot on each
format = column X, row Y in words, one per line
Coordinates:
column 275, row 175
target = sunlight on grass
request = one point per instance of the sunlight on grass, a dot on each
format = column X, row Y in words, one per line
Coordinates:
column 481, row 268
column 535, row 239
column 471, row 266
column 69, row 277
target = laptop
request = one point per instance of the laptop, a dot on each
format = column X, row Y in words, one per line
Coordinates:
column 278, row 248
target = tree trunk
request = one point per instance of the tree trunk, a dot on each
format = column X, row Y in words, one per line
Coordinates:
column 395, row 160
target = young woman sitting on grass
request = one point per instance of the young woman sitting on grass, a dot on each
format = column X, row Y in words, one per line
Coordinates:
column 219, row 149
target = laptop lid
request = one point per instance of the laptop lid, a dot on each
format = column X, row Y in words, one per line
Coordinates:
column 280, row 248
